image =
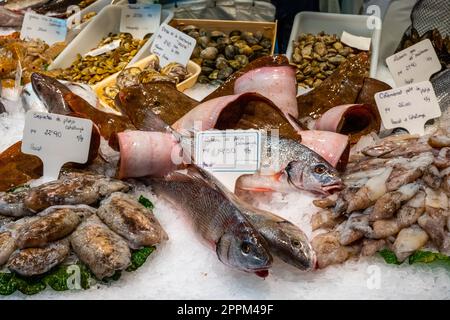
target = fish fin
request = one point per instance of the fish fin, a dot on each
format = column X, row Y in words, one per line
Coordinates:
column 277, row 176
column 258, row 189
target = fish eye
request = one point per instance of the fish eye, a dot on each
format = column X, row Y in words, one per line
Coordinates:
column 245, row 248
column 319, row 169
column 295, row 243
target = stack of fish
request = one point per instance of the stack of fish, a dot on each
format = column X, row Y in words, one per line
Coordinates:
column 396, row 197
column 84, row 213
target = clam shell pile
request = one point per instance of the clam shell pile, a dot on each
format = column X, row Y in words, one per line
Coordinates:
column 151, row 72
column 220, row 54
column 92, row 69
column 318, row 56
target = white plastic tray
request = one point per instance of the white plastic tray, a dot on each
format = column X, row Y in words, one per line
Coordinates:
column 107, row 21
column 96, row 7
column 331, row 23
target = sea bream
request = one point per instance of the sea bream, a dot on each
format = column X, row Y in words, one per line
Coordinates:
column 217, row 220
column 294, row 166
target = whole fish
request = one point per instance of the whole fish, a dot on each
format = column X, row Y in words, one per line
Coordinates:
column 218, row 220
column 285, row 239
column 294, row 166
column 51, row 93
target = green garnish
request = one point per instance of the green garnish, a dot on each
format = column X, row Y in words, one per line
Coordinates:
column 139, row 257
column 63, row 278
column 389, row 256
column 145, row 202
column 429, row 257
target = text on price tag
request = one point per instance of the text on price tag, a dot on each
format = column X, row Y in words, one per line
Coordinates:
column 229, row 150
column 37, row 26
column 414, row 64
column 56, row 140
column 139, row 19
column 171, row 45
column 408, row 107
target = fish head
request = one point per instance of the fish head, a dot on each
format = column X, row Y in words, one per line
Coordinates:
column 293, row 246
column 315, row 175
column 244, row 250
column 51, row 92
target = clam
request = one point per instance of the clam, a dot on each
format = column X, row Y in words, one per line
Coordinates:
column 213, row 75
column 246, row 50
column 209, row 53
column 203, row 41
column 230, row 51
column 266, row 43
column 217, row 34
column 242, row 59
column 203, row 79
column 175, row 70
column 111, row 92
column 249, row 38
column 206, row 70
column 189, row 28
column 234, row 64
column 153, row 62
column 235, row 33
column 224, row 73
column 221, row 63
column 320, row 49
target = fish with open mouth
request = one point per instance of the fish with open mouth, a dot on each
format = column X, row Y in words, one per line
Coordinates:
column 219, row 221
column 296, row 167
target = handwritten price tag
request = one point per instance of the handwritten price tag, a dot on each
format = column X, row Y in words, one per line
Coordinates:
column 48, row 29
column 408, row 107
column 171, row 45
column 140, row 20
column 414, row 64
column 56, row 139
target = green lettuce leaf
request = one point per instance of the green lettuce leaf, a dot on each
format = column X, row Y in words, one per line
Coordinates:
column 389, row 256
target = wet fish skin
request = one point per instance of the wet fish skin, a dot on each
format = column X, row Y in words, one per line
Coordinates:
column 305, row 169
column 17, row 5
column 55, row 7
column 285, row 239
column 51, row 92
column 35, row 261
column 72, row 189
column 102, row 250
column 217, row 220
column 9, row 18
column 131, row 220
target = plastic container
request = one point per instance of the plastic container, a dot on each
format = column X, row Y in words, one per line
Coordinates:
column 315, row 22
column 96, row 7
column 107, row 21
column 268, row 28
column 193, row 68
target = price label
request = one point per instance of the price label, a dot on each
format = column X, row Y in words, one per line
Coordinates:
column 56, row 139
column 140, row 20
column 48, row 29
column 171, row 45
column 408, row 107
column 229, row 150
column 103, row 49
column 414, row 64
column 361, row 43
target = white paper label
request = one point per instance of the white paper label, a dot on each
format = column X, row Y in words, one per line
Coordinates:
column 171, row 45
column 56, row 139
column 140, row 20
column 103, row 49
column 361, row 43
column 408, row 107
column 229, row 150
column 414, row 64
column 48, row 29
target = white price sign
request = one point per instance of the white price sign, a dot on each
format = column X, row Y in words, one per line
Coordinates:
column 171, row 45
column 408, row 107
column 414, row 64
column 229, row 150
column 56, row 139
column 48, row 29
column 361, row 43
column 139, row 19
column 104, row 49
